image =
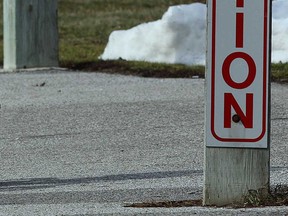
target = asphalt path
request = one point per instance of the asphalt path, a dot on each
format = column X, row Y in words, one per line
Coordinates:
column 75, row 143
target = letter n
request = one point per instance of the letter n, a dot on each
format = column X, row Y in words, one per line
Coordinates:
column 246, row 119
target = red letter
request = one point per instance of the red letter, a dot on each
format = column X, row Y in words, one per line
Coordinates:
column 239, row 30
column 229, row 101
column 240, row 3
column 251, row 70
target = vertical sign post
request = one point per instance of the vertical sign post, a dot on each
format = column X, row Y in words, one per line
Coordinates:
column 30, row 34
column 237, row 100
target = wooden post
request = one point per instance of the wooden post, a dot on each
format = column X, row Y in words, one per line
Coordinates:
column 30, row 34
column 237, row 131
column 231, row 172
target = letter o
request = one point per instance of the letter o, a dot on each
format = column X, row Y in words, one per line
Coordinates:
column 251, row 70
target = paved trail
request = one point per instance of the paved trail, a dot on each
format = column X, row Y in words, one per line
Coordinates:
column 87, row 143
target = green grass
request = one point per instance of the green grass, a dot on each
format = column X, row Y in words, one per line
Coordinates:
column 279, row 72
column 85, row 26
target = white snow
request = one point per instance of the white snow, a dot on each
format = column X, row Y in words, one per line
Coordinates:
column 180, row 37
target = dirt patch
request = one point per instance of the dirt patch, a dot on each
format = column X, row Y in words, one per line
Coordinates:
column 142, row 69
column 277, row 196
column 153, row 70
column 166, row 204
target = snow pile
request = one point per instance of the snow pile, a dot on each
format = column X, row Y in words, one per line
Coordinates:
column 180, row 37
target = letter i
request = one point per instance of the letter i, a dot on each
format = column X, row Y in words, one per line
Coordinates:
column 239, row 25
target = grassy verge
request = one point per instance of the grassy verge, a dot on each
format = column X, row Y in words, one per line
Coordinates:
column 279, row 72
column 85, row 25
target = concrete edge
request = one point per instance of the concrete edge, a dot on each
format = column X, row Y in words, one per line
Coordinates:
column 40, row 69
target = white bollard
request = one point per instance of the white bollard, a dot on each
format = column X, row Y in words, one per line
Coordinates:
column 30, row 34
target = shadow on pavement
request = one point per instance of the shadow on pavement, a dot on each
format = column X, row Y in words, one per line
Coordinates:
column 37, row 183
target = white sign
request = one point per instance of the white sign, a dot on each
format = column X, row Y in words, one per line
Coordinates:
column 237, row 73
